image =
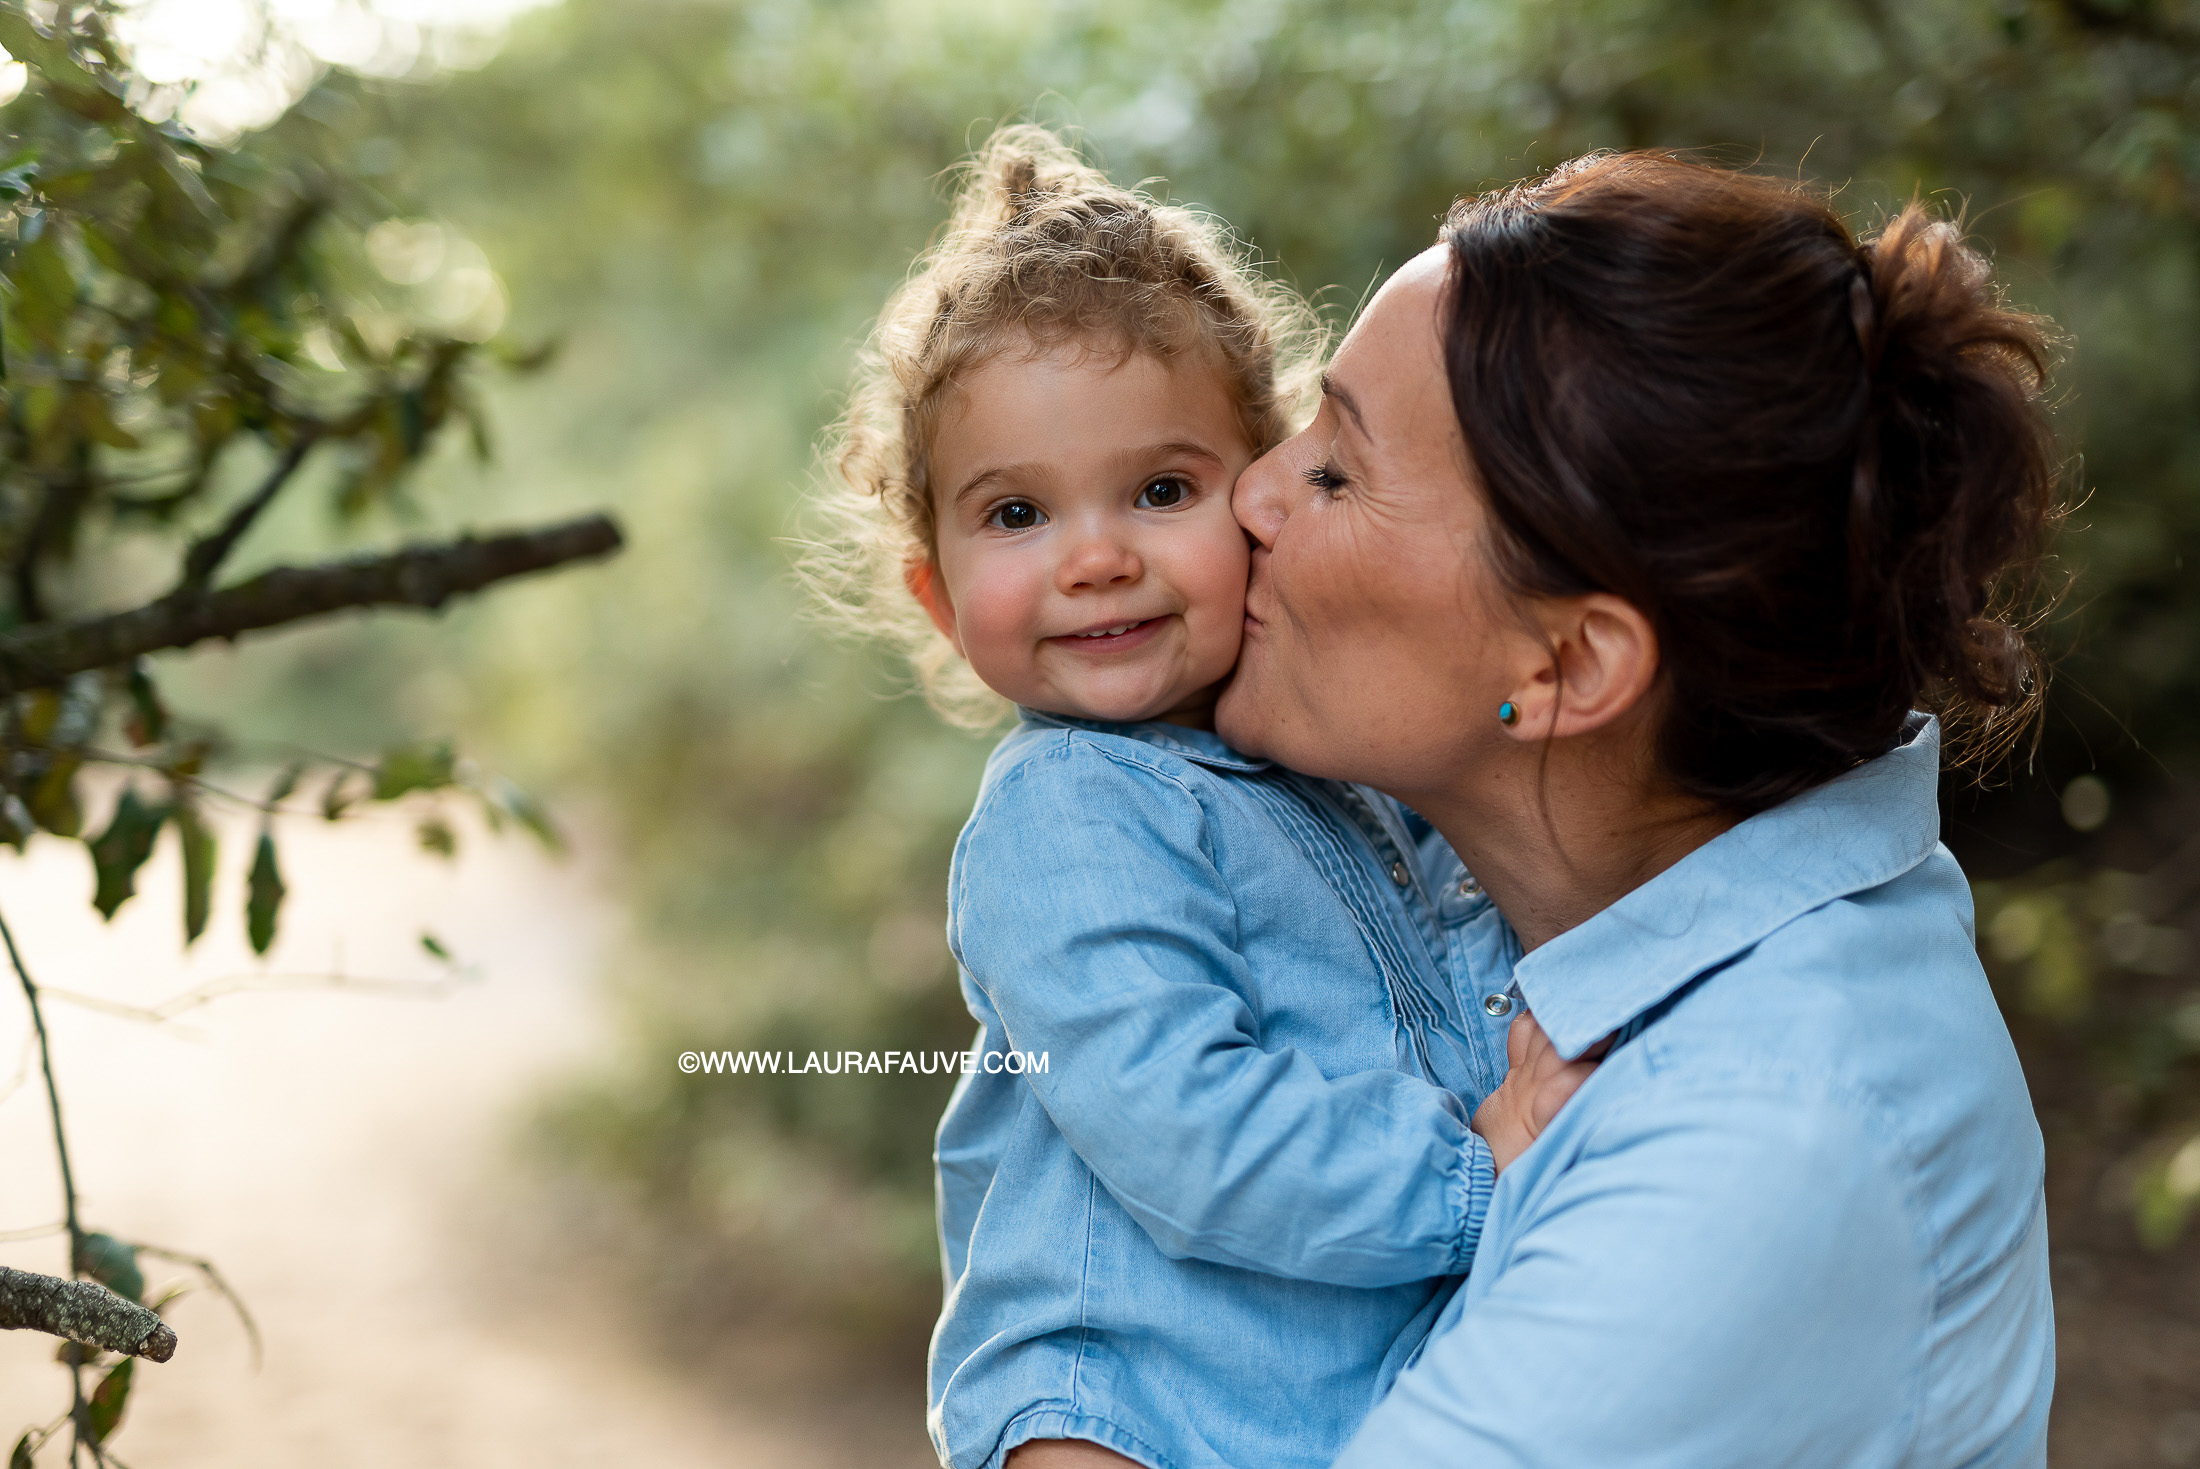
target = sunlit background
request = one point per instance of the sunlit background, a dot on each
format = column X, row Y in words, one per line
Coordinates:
column 486, row 1220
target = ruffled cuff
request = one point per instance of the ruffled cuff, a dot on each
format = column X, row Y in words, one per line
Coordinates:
column 1476, row 1178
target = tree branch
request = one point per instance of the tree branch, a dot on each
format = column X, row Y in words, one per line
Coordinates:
column 206, row 556
column 417, row 576
column 82, row 1311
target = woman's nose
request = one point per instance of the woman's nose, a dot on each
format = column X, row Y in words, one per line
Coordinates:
column 1098, row 559
column 1263, row 498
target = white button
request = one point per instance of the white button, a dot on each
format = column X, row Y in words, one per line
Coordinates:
column 1468, row 887
column 1398, row 874
column 1497, row 1004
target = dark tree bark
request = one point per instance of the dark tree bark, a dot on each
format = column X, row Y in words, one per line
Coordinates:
column 46, row 654
column 82, row 1311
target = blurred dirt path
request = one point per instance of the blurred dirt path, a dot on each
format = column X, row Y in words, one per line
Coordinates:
column 327, row 1149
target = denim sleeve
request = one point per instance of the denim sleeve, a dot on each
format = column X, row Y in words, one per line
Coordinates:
column 1729, row 1278
column 1089, row 911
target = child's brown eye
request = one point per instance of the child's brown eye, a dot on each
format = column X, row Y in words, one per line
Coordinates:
column 1017, row 515
column 1162, row 494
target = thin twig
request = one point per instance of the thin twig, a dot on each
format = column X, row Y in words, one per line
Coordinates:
column 214, row 989
column 33, row 1231
column 22, row 1070
column 206, row 556
column 214, row 1278
column 92, row 756
column 77, row 1404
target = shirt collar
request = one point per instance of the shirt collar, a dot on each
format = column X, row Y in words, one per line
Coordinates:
column 1865, row 827
column 1200, row 745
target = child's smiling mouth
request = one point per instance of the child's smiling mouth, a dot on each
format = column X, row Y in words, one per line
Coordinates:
column 1112, row 636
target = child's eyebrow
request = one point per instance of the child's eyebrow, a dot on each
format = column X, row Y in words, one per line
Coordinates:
column 987, row 478
column 1129, row 459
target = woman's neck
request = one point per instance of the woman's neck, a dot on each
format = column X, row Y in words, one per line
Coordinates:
column 1553, row 847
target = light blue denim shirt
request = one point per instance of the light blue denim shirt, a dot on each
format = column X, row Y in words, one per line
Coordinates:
column 1255, row 1068
column 1796, row 1217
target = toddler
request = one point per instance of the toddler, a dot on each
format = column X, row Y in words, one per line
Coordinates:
column 1210, row 1223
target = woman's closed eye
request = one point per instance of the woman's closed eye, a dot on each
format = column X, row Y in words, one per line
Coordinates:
column 1324, row 477
column 1016, row 515
column 1166, row 493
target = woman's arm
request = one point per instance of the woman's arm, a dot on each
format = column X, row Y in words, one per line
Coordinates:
column 1221, row 1150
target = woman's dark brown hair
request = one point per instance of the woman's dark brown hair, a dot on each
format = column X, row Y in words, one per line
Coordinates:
column 1818, row 466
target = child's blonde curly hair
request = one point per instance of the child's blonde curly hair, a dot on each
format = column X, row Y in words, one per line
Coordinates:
column 1040, row 249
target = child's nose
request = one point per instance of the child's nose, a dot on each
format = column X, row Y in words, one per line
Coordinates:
column 1099, row 560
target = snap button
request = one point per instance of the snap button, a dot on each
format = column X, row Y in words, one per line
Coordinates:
column 1468, row 887
column 1497, row 1004
column 1399, row 875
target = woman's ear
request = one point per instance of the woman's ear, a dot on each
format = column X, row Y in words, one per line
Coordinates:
column 923, row 580
column 1601, row 661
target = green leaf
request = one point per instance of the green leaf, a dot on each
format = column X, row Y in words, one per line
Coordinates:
column 119, row 851
column 412, row 424
column 413, row 768
column 477, row 429
column 198, row 870
column 21, row 1457
column 527, row 359
column 47, row 55
column 263, row 895
column 149, row 717
column 436, row 836
column 16, row 822
column 113, row 1264
column 285, row 784
column 435, row 948
column 45, row 288
column 503, row 798
column 96, row 417
column 335, row 801
column 108, row 1399
column 53, row 803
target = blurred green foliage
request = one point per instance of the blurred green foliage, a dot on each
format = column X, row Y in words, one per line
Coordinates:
column 190, row 330
column 708, row 199
column 184, row 324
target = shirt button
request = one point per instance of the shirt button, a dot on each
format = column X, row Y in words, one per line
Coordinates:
column 1497, row 1005
column 1468, row 887
column 1399, row 875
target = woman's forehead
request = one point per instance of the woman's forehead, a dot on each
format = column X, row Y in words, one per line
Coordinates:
column 1393, row 355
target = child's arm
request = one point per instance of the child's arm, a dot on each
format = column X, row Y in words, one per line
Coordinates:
column 1088, row 911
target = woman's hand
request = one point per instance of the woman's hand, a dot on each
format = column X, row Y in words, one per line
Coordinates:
column 1537, row 1083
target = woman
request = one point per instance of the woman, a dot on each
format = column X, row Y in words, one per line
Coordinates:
column 1639, row 514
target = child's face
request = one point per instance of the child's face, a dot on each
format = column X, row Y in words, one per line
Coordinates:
column 1088, row 562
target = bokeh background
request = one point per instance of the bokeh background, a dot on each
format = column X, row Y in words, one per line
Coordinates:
column 703, row 202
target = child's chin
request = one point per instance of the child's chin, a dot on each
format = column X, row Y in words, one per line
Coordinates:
column 1127, row 707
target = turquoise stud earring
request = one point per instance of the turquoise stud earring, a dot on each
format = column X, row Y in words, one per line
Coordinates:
column 1508, row 714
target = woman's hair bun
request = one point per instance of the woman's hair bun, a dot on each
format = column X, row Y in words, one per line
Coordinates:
column 1818, row 464
column 1960, row 466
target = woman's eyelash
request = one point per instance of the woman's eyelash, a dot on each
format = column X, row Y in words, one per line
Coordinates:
column 1325, row 478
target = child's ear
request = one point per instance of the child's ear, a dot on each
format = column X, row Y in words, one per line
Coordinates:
column 923, row 580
